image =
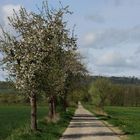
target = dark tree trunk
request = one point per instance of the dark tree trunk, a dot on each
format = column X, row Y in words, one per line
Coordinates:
column 102, row 103
column 52, row 107
column 65, row 102
column 50, row 111
column 33, row 112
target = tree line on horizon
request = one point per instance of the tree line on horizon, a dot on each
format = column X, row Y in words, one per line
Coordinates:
column 104, row 91
column 126, row 94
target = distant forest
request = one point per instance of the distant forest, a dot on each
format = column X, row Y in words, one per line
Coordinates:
column 115, row 80
column 120, row 80
column 126, row 91
column 8, row 87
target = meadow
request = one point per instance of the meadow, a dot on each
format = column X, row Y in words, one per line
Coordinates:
column 126, row 118
column 14, row 120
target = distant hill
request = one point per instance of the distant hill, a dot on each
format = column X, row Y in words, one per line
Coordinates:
column 121, row 80
column 125, row 80
column 116, row 80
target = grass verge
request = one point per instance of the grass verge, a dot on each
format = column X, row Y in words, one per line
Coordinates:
column 14, row 122
column 15, row 116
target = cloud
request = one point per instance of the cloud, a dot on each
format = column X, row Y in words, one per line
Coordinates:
column 114, row 59
column 88, row 39
column 117, row 70
column 116, row 29
column 117, row 2
column 95, row 18
column 137, row 51
column 112, row 37
column 122, row 2
column 5, row 12
column 112, row 63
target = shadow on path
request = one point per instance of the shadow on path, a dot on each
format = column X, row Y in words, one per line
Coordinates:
column 74, row 125
column 100, row 134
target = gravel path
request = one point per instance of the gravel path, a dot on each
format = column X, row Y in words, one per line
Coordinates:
column 85, row 126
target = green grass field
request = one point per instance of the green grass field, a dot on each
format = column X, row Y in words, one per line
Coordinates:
column 14, row 124
column 126, row 118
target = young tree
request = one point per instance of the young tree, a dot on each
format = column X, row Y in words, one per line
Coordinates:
column 62, row 60
column 63, row 44
column 75, row 71
column 100, row 90
column 21, row 55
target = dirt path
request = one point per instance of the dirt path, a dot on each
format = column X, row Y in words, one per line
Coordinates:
column 85, row 126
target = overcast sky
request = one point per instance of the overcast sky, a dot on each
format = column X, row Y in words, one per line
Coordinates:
column 108, row 32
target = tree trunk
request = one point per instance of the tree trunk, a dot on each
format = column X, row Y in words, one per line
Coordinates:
column 33, row 112
column 101, row 104
column 52, row 107
column 65, row 103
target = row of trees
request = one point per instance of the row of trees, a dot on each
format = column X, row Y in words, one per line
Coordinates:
column 104, row 92
column 41, row 56
column 125, row 95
